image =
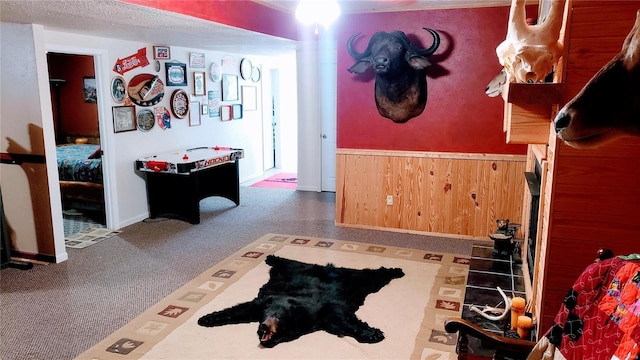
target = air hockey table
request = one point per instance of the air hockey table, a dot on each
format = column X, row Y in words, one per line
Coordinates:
column 177, row 181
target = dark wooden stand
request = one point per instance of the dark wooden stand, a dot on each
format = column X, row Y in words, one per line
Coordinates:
column 179, row 195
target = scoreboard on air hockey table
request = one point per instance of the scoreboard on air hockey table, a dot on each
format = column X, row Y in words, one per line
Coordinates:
column 190, row 160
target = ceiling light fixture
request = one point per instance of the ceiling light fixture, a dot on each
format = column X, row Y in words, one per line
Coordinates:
column 317, row 12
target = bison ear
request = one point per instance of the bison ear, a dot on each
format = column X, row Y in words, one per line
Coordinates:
column 360, row 66
column 416, row 61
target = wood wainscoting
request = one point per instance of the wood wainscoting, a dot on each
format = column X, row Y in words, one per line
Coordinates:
column 430, row 192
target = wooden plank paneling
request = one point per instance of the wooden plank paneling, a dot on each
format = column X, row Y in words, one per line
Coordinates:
column 528, row 124
column 591, row 197
column 461, row 194
column 602, row 19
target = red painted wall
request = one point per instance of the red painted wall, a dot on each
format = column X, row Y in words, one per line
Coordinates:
column 77, row 116
column 459, row 116
column 238, row 13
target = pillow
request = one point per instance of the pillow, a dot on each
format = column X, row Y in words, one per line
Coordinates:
column 96, row 154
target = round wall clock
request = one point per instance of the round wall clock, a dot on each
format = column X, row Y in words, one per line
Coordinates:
column 118, row 89
column 255, row 74
column 180, row 104
column 215, row 71
column 145, row 120
column 245, row 68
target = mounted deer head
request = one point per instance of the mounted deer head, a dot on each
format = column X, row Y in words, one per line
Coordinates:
column 608, row 106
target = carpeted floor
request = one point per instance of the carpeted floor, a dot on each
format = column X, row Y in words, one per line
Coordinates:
column 58, row 311
column 409, row 310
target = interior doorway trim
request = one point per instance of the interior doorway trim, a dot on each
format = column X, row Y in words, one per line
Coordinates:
column 104, row 115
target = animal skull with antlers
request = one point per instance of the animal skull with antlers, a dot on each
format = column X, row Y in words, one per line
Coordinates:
column 530, row 52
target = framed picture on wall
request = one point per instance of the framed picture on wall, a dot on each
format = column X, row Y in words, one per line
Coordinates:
column 199, row 87
column 194, row 115
column 89, row 88
column 229, row 87
column 161, row 52
column 196, row 60
column 225, row 113
column 176, row 73
column 124, row 118
column 237, row 111
column 249, row 98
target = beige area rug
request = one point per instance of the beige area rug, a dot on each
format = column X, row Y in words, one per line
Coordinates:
column 410, row 310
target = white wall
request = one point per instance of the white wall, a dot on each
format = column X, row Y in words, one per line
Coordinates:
column 122, row 149
column 25, row 116
column 126, row 193
column 309, row 114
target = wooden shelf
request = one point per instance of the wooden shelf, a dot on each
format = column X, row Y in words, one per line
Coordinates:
column 533, row 94
column 528, row 110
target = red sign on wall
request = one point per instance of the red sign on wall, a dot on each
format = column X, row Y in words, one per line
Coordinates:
column 131, row 62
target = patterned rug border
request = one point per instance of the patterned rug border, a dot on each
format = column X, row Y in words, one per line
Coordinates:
column 89, row 236
column 137, row 337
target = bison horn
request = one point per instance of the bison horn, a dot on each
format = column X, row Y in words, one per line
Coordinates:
column 354, row 54
column 422, row 52
column 433, row 47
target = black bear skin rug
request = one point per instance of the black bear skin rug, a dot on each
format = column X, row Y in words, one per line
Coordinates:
column 301, row 298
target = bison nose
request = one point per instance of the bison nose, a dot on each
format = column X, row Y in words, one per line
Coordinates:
column 381, row 61
column 561, row 121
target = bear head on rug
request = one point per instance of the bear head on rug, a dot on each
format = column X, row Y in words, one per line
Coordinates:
column 301, row 298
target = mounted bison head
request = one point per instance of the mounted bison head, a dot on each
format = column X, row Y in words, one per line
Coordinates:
column 608, row 106
column 401, row 81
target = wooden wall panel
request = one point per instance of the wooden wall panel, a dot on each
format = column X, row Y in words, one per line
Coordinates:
column 593, row 197
column 446, row 193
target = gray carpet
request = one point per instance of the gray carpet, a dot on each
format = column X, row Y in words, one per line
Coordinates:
column 58, row 311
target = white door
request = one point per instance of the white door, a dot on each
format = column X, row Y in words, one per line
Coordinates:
column 328, row 74
column 270, row 115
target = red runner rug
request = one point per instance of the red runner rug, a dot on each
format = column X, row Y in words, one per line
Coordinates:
column 279, row 181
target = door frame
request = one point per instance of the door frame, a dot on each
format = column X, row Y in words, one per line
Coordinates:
column 104, row 113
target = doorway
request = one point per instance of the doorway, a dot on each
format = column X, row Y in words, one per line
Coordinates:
column 74, row 101
column 279, row 126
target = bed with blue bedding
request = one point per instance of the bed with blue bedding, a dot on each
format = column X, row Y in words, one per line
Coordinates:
column 80, row 174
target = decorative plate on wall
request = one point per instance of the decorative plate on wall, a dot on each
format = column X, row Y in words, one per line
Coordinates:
column 145, row 89
column 180, row 104
column 255, row 74
column 215, row 71
column 118, row 89
column 245, row 69
column 146, row 120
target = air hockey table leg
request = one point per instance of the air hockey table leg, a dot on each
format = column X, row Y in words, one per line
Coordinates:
column 173, row 195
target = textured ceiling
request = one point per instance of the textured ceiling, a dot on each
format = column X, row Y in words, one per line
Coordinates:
column 119, row 20
column 115, row 19
column 367, row 6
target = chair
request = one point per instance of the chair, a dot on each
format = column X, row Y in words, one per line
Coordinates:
column 606, row 297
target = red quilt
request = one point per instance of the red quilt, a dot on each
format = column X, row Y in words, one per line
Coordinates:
column 599, row 316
